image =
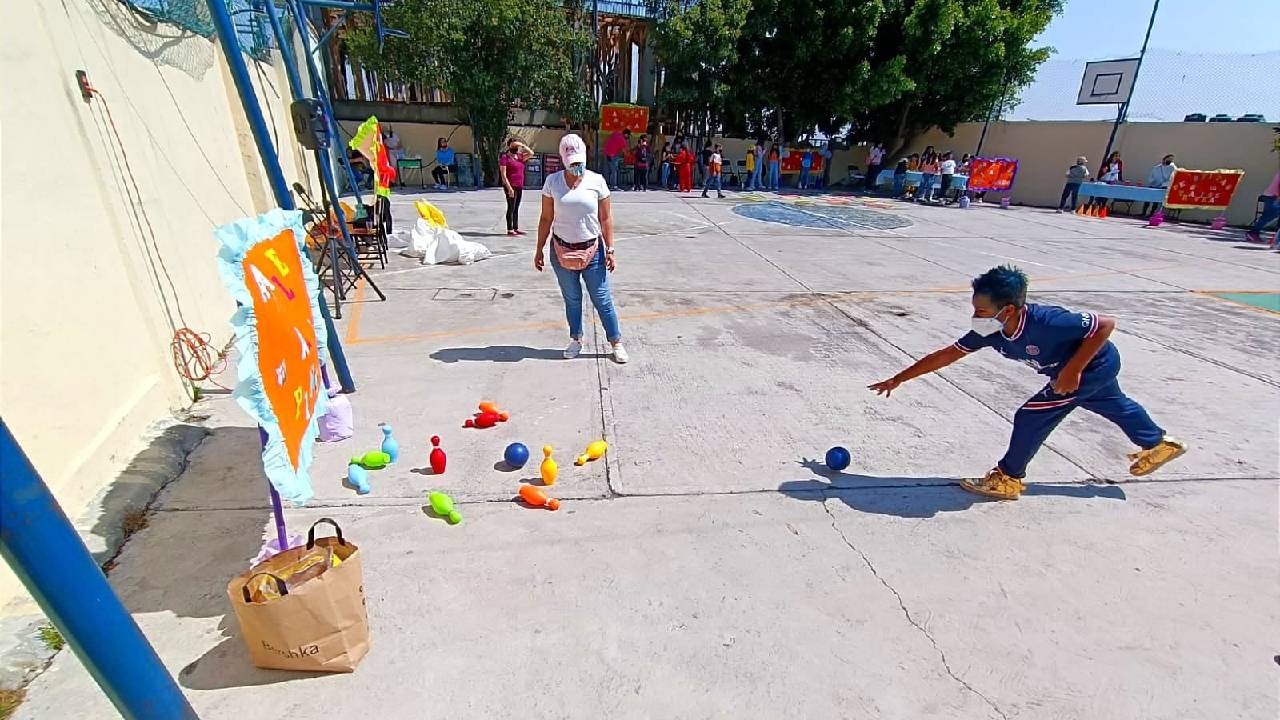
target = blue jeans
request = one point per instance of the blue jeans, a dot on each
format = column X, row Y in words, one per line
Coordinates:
column 597, row 278
column 754, row 183
column 899, row 184
column 774, row 169
column 712, row 180
column 803, row 182
column 1270, row 212
column 615, row 171
column 926, row 186
column 1099, row 393
column 665, row 176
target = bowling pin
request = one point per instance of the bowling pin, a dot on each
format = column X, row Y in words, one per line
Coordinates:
column 438, row 458
column 594, row 451
column 442, row 505
column 389, row 444
column 359, row 478
column 549, row 468
column 489, row 407
column 537, row 498
column 372, row 460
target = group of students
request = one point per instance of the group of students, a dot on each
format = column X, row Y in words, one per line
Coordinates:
column 937, row 171
column 1112, row 171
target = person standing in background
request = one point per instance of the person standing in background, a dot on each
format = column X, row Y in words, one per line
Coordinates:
column 875, row 160
column 806, row 165
column 704, row 159
column 614, row 148
column 948, row 169
column 664, row 175
column 928, row 174
column 511, row 173
column 1076, row 174
column 1159, row 177
column 759, row 164
column 775, row 168
column 684, row 163
column 640, row 168
column 750, row 165
column 1270, row 212
column 824, row 181
column 714, row 166
column 1112, row 171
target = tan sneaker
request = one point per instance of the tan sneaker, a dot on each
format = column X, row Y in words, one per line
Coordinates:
column 996, row 484
column 1146, row 462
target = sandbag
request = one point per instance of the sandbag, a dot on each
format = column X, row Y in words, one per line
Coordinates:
column 437, row 244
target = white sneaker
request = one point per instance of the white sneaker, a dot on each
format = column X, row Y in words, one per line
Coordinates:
column 571, row 352
column 620, row 354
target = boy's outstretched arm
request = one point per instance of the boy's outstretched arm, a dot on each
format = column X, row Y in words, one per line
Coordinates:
column 925, row 365
column 1068, row 380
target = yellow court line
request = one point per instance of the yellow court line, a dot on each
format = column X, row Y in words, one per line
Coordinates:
column 353, row 320
column 353, row 338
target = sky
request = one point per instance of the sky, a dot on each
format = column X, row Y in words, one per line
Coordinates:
column 1097, row 29
column 1198, row 61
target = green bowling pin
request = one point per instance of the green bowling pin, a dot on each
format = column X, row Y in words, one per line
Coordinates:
column 372, row 460
column 442, row 504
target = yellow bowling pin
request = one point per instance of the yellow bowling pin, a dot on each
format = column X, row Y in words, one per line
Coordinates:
column 594, row 452
column 549, row 468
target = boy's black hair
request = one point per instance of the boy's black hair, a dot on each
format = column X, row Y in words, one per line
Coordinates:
column 1005, row 285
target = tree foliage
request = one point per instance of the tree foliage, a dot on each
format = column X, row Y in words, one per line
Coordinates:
column 889, row 69
column 489, row 55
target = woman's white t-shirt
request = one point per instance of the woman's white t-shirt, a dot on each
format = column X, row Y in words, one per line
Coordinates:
column 577, row 210
column 948, row 167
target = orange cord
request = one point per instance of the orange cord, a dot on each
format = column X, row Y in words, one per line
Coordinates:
column 195, row 359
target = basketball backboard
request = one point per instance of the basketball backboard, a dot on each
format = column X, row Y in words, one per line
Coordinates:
column 1107, row 82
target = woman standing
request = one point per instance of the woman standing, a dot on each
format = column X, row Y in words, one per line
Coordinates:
column 928, row 174
column 511, row 172
column 640, row 168
column 1112, row 171
column 444, row 163
column 664, row 176
column 578, row 219
column 684, row 161
column 775, row 168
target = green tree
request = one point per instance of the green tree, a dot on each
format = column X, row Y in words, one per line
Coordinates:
column 489, row 55
column 697, row 46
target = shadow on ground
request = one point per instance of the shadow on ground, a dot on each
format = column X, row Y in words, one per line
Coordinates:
column 914, row 497
column 502, row 354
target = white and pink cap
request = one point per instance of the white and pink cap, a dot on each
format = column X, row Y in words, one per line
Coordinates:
column 572, row 149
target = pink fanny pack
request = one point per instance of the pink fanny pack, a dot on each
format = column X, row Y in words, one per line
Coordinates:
column 575, row 256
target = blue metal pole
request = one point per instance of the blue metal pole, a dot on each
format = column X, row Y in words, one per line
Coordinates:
column 45, row 552
column 226, row 33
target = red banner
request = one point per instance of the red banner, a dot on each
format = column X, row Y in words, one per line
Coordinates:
column 617, row 117
column 992, row 174
column 1202, row 189
column 792, row 162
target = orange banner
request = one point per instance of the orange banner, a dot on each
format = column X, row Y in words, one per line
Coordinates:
column 992, row 174
column 286, row 335
column 1202, row 189
column 617, row 117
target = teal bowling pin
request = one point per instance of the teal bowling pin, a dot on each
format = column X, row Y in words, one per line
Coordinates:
column 389, row 444
column 359, row 478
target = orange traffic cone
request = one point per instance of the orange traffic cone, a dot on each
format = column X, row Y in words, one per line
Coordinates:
column 1080, row 210
column 1093, row 211
column 1103, row 212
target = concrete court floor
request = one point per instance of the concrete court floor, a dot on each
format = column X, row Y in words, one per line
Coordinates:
column 709, row 567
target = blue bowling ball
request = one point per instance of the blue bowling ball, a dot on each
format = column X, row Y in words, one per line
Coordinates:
column 838, row 458
column 516, row 455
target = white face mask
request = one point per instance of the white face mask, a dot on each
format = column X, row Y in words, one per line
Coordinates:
column 987, row 326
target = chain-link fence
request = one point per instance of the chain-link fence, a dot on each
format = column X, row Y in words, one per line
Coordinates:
column 252, row 26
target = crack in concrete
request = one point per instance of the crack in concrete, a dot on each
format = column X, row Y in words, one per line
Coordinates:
column 946, row 665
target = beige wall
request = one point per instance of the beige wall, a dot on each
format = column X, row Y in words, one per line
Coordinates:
column 89, row 296
column 1045, row 150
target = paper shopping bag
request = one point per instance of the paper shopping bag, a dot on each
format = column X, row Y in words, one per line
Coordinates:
column 296, row 614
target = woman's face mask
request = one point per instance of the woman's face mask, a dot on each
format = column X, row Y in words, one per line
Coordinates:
column 577, row 168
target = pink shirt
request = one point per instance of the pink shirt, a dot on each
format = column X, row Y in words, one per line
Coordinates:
column 515, row 169
column 1273, row 190
column 615, row 145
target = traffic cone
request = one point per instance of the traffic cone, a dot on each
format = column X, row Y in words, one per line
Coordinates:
column 1093, row 211
column 1103, row 213
column 1080, row 210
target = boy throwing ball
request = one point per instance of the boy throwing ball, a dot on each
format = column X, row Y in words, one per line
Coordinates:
column 1073, row 350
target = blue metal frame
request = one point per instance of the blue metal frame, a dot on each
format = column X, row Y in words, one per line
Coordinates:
column 225, row 32
column 51, row 560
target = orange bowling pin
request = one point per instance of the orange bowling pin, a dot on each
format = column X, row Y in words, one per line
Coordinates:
column 537, row 498
column 549, row 468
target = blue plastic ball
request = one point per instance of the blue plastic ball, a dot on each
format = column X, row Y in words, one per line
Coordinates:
column 838, row 458
column 516, row 455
